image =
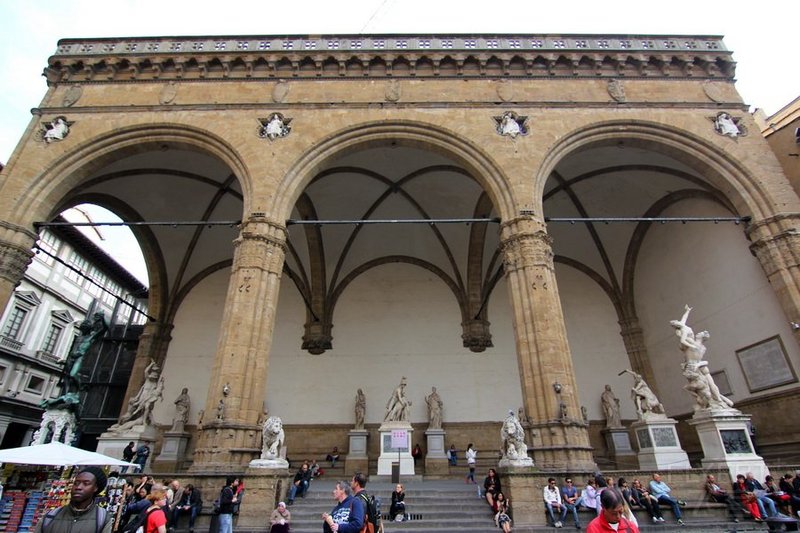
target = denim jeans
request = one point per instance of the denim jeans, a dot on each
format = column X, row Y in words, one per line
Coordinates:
column 226, row 523
column 763, row 502
column 298, row 490
column 573, row 508
column 563, row 513
column 176, row 513
column 672, row 502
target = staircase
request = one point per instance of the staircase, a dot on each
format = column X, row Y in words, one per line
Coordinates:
column 435, row 506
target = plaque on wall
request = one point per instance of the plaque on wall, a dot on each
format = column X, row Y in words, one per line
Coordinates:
column 765, row 364
column 735, row 441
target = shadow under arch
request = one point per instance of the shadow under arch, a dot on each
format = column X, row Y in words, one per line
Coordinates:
column 723, row 172
column 67, row 173
column 158, row 301
column 415, row 134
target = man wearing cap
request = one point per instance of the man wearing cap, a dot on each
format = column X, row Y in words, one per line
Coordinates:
column 82, row 514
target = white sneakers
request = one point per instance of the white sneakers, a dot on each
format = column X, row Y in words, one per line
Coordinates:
column 558, row 524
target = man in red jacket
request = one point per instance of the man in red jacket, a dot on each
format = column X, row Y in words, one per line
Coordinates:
column 612, row 517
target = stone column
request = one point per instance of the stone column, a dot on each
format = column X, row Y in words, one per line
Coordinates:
column 239, row 375
column 15, row 256
column 560, row 437
column 633, row 338
column 776, row 245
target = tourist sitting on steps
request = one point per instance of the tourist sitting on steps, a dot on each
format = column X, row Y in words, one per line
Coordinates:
column 300, row 483
column 397, row 511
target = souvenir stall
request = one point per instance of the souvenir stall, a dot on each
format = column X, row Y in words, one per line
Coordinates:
column 35, row 479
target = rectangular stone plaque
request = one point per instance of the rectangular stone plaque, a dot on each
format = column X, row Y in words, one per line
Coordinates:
column 664, row 437
column 387, row 444
column 644, row 438
column 735, row 441
column 765, row 365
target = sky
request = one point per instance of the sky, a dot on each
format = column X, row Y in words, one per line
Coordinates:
column 762, row 35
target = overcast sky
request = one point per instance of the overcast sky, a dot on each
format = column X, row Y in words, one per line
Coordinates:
column 762, row 35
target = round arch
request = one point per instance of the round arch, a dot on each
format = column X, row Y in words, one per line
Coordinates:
column 49, row 188
column 404, row 133
column 745, row 193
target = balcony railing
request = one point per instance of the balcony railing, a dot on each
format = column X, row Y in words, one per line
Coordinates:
column 11, row 344
column 47, row 356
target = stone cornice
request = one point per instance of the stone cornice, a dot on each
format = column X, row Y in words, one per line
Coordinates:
column 318, row 57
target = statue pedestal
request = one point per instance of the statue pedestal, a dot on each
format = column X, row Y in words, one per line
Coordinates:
column 263, row 483
column 357, row 459
column 391, row 455
column 618, row 442
column 436, row 458
column 59, row 425
column 726, row 442
column 659, row 446
column 173, row 452
column 112, row 444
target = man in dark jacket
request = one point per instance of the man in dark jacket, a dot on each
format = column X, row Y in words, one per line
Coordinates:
column 227, row 500
column 300, row 484
column 82, row 515
column 191, row 502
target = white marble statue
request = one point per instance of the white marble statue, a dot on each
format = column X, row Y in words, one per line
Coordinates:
column 725, row 125
column 611, row 408
column 273, row 438
column 360, row 409
column 647, row 405
column 512, row 436
column 435, row 406
column 56, row 130
column 140, row 406
column 182, row 405
column 398, row 406
column 695, row 369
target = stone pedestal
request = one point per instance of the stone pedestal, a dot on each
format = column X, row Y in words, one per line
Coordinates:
column 391, row 455
column 58, row 424
column 112, row 444
column 726, row 442
column 436, row 458
column 173, row 451
column 659, row 446
column 524, row 485
column 357, row 459
column 263, row 483
column 618, row 442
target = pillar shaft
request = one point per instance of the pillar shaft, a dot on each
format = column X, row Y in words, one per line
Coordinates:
column 239, row 374
column 15, row 256
column 776, row 245
column 561, row 439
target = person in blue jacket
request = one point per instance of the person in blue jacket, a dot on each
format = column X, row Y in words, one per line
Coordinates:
column 348, row 515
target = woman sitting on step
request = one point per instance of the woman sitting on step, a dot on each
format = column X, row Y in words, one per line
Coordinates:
column 501, row 518
column 397, row 511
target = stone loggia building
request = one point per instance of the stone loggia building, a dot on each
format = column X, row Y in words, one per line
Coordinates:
column 253, row 135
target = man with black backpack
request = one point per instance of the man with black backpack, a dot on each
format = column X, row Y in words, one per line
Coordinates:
column 82, row 514
column 372, row 514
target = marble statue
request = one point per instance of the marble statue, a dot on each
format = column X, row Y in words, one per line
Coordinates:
column 584, row 414
column 56, row 130
column 725, row 125
column 435, row 406
column 611, row 408
column 513, row 439
column 274, row 126
column 645, row 400
column 91, row 332
column 200, row 415
column 398, row 406
column 273, row 438
column 695, row 369
column 182, row 404
column 221, row 410
column 140, row 406
column 360, row 409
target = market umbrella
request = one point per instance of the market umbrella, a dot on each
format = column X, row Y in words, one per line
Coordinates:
column 57, row 454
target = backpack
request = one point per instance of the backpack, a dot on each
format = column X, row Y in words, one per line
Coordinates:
column 139, row 525
column 372, row 512
column 100, row 515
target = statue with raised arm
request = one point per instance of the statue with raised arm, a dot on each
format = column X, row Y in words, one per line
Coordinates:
column 645, row 400
column 360, row 409
column 695, row 368
column 140, row 406
column 398, row 407
column 435, row 406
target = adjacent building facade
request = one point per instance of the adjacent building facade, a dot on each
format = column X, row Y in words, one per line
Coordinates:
column 487, row 214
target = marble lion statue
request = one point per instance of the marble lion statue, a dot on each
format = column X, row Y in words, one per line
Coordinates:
column 513, row 437
column 273, row 437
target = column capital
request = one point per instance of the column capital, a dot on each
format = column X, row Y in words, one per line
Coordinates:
column 525, row 243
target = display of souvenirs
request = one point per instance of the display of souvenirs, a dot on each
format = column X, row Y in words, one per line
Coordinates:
column 12, row 506
column 31, row 513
